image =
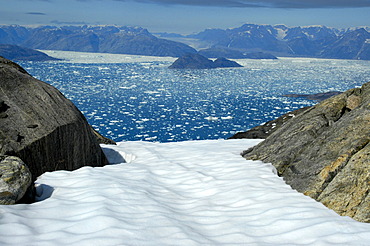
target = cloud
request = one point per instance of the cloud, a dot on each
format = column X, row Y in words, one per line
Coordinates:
column 265, row 3
column 252, row 3
column 35, row 13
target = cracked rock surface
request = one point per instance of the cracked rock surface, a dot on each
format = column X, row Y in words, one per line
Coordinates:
column 324, row 152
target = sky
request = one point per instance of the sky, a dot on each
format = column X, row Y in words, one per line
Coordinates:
column 186, row 16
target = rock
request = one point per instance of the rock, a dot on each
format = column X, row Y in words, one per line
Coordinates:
column 14, row 52
column 223, row 62
column 324, row 152
column 342, row 194
column 41, row 127
column 265, row 130
column 15, row 178
column 192, row 61
column 353, row 102
column 196, row 61
column 101, row 139
column 317, row 96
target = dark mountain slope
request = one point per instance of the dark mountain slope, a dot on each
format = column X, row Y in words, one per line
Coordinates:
column 107, row 39
column 14, row 52
column 280, row 40
column 348, row 46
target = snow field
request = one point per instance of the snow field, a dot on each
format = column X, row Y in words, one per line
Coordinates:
column 180, row 193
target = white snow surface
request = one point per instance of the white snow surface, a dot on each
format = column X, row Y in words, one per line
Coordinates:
column 180, row 193
column 86, row 57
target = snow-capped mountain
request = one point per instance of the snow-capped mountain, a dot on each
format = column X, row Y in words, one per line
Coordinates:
column 311, row 41
column 278, row 40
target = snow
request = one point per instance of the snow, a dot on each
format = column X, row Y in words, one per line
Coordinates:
column 281, row 33
column 180, row 193
column 89, row 58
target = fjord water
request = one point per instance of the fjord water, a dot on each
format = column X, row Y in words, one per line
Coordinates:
column 139, row 98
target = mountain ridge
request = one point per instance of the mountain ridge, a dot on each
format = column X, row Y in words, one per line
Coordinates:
column 104, row 39
column 277, row 40
column 14, row 52
column 317, row 41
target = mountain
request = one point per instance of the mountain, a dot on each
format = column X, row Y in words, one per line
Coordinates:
column 280, row 40
column 251, row 39
column 351, row 45
column 105, row 39
column 324, row 151
column 364, row 53
column 14, row 52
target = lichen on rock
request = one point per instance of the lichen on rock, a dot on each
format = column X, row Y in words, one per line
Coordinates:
column 15, row 178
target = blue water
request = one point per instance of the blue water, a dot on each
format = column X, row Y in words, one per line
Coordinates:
column 148, row 101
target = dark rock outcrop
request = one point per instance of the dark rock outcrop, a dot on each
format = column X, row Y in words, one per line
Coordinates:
column 265, row 130
column 350, row 46
column 15, row 178
column 317, row 97
column 192, row 61
column 14, row 52
column 223, row 62
column 41, row 127
column 101, row 139
column 324, row 152
column 196, row 61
